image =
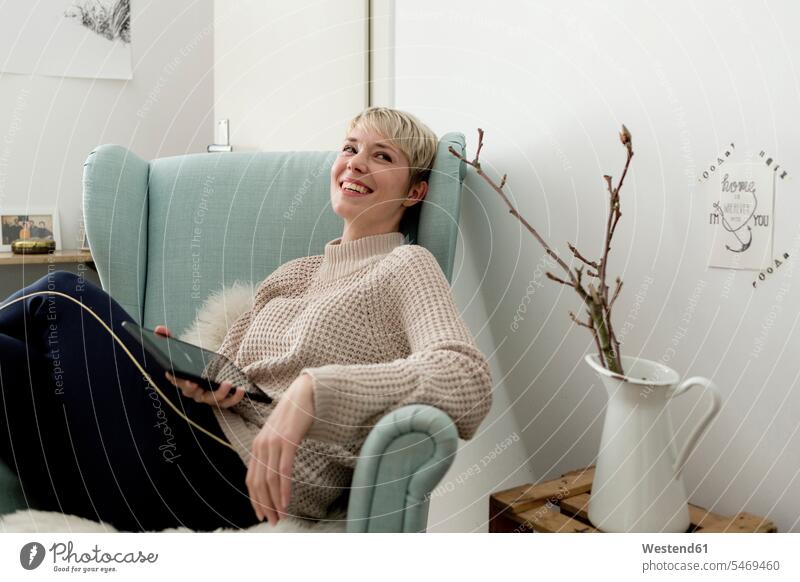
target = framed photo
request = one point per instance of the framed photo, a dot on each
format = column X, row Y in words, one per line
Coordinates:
column 23, row 223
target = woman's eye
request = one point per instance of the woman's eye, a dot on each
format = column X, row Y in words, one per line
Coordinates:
column 352, row 150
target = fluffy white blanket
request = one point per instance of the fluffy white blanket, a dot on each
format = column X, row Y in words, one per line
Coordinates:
column 214, row 318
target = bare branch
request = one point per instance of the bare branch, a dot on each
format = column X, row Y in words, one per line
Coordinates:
column 578, row 255
column 480, row 145
column 617, row 216
column 625, row 170
column 607, row 178
column 616, row 348
column 595, row 295
column 600, row 353
column 616, row 294
column 512, row 210
column 557, row 280
column 581, row 323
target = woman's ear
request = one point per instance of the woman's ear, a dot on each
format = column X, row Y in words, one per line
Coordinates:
column 416, row 194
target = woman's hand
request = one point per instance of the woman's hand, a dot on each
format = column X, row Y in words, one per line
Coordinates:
column 269, row 476
column 225, row 396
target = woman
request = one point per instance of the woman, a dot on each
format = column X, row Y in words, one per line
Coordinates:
column 338, row 340
column 25, row 232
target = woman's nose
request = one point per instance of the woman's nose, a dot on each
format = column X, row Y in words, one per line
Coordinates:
column 357, row 162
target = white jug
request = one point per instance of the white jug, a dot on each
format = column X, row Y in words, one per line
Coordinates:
column 637, row 483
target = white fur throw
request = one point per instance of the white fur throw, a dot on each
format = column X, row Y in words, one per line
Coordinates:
column 214, row 317
column 217, row 314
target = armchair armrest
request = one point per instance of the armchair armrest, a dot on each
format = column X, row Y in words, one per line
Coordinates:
column 403, row 458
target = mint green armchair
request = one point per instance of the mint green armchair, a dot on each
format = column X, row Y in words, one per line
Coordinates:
column 166, row 233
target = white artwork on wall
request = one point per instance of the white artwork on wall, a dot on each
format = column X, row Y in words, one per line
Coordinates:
column 742, row 197
column 66, row 38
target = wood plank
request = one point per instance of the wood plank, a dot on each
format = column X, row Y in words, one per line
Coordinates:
column 708, row 521
column 757, row 523
column 524, row 497
column 547, row 519
column 577, row 505
column 509, row 524
column 742, row 523
column 60, row 256
column 561, row 505
column 501, row 520
column 702, row 518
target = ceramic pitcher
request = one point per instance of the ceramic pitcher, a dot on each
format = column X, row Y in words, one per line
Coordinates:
column 637, row 485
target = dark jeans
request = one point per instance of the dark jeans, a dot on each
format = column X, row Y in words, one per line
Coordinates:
column 88, row 436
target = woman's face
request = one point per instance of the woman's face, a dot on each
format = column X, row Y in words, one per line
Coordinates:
column 369, row 184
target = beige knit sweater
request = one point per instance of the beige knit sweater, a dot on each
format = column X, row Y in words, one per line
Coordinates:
column 373, row 322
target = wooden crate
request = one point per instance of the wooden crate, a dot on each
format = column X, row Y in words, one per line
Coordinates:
column 560, row 506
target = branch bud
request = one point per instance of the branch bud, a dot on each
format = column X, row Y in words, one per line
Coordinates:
column 625, row 136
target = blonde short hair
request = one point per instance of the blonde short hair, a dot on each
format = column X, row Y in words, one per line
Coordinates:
column 412, row 137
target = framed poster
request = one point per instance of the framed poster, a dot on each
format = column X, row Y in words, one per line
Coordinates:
column 742, row 199
column 66, row 38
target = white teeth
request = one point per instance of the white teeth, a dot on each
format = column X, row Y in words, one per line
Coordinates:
column 355, row 188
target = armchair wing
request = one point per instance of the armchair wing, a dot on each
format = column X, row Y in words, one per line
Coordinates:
column 115, row 202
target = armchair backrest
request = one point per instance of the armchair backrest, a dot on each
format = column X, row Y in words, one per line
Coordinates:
column 165, row 234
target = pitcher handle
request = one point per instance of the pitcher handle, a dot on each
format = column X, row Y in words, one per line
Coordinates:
column 713, row 409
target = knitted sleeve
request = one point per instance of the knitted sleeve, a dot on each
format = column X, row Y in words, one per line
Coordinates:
column 444, row 368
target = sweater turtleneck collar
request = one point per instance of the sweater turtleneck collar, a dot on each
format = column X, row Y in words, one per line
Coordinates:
column 342, row 258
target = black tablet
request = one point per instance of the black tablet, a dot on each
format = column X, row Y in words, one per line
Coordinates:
column 183, row 360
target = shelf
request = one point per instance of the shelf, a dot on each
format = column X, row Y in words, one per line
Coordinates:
column 63, row 256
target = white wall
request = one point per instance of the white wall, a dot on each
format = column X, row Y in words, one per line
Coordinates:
column 49, row 125
column 289, row 75
column 551, row 83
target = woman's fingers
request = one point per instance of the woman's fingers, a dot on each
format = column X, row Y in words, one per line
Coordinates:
column 285, row 465
column 162, row 330
column 236, row 397
column 225, row 396
column 273, row 484
column 259, row 490
column 263, row 462
column 177, row 382
column 188, row 388
column 251, row 490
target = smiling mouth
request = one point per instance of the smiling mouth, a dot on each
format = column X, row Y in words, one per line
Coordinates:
column 355, row 188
